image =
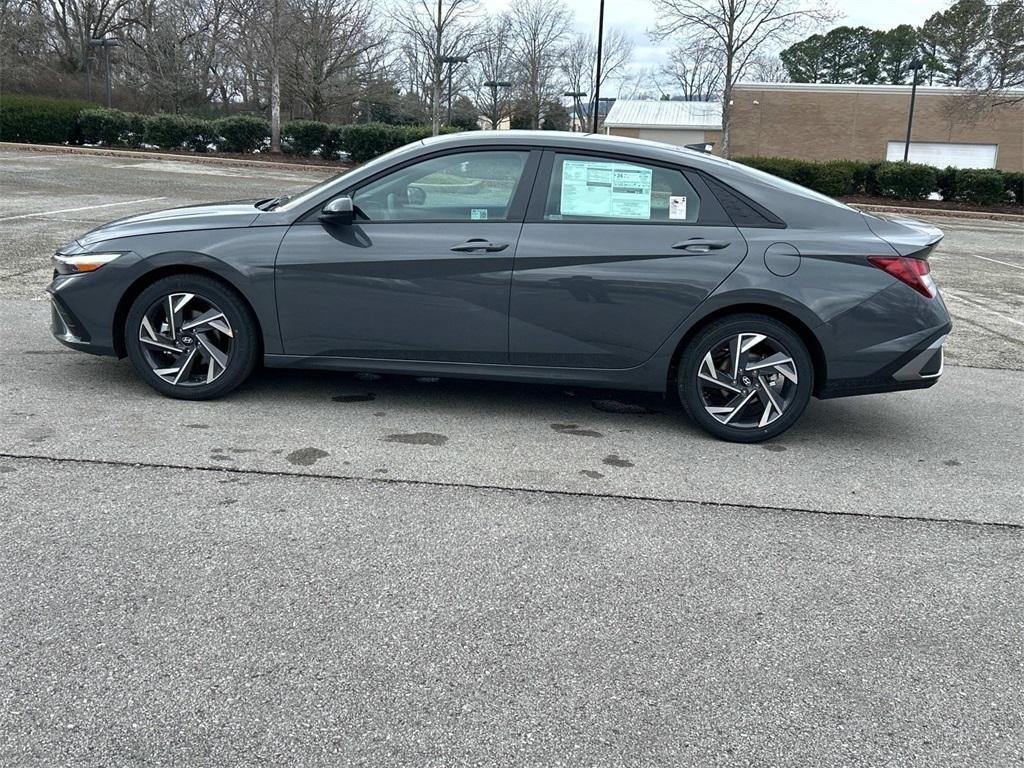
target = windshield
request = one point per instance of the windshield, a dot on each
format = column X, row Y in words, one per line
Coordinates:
column 302, row 198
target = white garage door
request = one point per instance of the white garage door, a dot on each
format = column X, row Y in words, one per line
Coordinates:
column 942, row 155
column 672, row 136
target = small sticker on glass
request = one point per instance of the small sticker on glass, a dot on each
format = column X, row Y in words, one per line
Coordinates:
column 477, row 214
column 677, row 206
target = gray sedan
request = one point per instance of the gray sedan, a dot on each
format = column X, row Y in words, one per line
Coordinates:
column 530, row 257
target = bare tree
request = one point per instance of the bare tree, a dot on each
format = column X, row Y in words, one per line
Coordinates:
column 739, row 29
column 329, row 41
column 494, row 63
column 579, row 61
column 538, row 31
column 434, row 30
column 767, row 68
column 695, row 71
column 73, row 23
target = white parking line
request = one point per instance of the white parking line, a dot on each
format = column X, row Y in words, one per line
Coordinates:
column 947, row 295
column 83, row 208
column 997, row 261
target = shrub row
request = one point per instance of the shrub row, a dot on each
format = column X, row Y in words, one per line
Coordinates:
column 53, row 121
column 901, row 181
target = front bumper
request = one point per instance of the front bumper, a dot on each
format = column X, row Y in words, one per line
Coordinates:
column 68, row 325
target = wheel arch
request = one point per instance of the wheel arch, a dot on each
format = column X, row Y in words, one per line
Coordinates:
column 145, row 280
column 791, row 320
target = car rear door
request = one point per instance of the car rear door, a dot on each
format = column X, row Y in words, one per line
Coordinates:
column 614, row 254
column 423, row 273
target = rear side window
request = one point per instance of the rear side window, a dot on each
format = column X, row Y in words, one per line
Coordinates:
column 589, row 188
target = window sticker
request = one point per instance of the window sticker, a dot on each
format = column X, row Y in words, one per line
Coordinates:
column 677, row 206
column 477, row 214
column 600, row 188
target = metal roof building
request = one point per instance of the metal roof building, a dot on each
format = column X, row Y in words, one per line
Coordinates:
column 673, row 122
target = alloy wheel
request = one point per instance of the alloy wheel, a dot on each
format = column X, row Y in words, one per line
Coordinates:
column 747, row 380
column 186, row 339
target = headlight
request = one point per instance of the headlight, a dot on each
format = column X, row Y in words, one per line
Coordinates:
column 82, row 262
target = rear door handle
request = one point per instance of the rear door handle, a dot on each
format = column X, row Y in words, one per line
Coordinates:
column 700, row 245
column 478, row 244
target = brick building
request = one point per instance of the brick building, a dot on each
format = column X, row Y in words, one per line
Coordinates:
column 869, row 122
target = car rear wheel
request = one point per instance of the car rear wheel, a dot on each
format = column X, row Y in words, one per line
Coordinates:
column 191, row 337
column 745, row 378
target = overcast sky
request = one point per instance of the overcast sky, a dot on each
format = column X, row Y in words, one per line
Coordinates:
column 638, row 16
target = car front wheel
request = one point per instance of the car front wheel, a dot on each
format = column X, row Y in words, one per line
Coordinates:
column 191, row 337
column 745, row 378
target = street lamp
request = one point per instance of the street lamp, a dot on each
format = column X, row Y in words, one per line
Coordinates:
column 915, row 66
column 576, row 105
column 106, row 43
column 494, row 85
column 450, row 60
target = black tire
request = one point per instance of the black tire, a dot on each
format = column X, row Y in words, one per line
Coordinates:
column 767, row 388
column 242, row 343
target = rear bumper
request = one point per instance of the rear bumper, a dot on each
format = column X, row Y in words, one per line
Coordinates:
column 919, row 368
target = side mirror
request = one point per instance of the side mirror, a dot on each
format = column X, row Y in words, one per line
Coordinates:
column 338, row 211
column 416, row 195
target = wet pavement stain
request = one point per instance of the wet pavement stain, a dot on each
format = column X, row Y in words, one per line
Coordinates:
column 575, row 429
column 306, row 457
column 774, row 447
column 417, row 438
column 591, row 474
column 365, row 397
column 617, row 406
column 613, row 460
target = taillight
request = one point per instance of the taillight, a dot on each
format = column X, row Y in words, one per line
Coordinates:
column 913, row 272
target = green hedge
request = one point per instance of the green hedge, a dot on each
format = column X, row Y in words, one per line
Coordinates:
column 40, row 120
column 242, row 133
column 902, row 181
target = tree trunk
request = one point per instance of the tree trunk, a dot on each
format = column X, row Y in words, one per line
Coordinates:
column 727, row 105
column 275, row 106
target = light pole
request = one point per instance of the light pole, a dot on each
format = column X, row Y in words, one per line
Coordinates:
column 576, row 96
column 106, row 43
column 450, row 60
column 915, row 66
column 494, row 85
column 597, row 79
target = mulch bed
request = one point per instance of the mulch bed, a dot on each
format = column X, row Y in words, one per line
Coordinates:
column 938, row 205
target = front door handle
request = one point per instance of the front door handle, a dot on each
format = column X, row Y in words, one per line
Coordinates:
column 700, row 245
column 478, row 244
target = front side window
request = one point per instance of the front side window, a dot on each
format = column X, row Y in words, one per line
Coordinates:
column 585, row 188
column 465, row 186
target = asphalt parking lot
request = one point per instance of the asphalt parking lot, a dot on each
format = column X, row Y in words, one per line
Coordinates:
column 332, row 569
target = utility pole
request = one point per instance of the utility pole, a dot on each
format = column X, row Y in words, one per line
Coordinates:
column 494, row 85
column 597, row 78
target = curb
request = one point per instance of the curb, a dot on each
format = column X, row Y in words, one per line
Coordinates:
column 193, row 158
column 939, row 212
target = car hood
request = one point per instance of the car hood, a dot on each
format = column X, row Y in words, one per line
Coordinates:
column 239, row 213
column 908, row 236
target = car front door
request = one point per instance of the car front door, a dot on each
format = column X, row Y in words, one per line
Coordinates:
column 614, row 254
column 424, row 271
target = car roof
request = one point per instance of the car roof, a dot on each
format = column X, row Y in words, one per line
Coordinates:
column 585, row 141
